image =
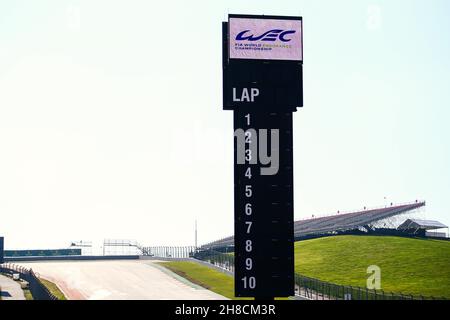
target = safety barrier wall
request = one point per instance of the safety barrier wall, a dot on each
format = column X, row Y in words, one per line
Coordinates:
column 37, row 289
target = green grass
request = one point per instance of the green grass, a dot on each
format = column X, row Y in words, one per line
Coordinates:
column 409, row 266
column 53, row 288
column 415, row 266
column 27, row 294
column 204, row 276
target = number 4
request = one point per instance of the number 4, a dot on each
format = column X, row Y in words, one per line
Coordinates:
column 248, row 173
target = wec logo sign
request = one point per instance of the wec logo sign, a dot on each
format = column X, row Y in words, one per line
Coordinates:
column 269, row 38
column 271, row 35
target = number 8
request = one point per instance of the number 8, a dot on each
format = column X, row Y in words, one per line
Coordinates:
column 248, row 246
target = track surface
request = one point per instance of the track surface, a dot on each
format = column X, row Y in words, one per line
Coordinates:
column 121, row 280
column 10, row 289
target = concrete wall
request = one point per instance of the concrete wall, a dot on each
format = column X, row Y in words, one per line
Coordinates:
column 69, row 258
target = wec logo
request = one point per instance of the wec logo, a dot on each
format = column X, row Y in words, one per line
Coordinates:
column 271, row 35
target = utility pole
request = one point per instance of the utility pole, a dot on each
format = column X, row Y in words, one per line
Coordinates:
column 195, row 233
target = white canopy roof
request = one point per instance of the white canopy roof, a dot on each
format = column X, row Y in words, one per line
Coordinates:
column 421, row 224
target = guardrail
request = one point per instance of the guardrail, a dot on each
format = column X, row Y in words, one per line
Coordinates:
column 37, row 289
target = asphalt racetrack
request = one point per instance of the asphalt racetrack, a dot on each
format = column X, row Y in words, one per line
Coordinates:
column 119, row 280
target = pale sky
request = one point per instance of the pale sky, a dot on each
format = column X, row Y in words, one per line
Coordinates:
column 111, row 120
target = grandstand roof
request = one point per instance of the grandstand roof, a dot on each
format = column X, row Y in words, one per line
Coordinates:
column 421, row 224
column 339, row 222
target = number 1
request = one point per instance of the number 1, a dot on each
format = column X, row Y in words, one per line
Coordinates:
column 248, row 118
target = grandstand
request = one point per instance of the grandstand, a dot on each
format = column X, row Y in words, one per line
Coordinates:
column 367, row 220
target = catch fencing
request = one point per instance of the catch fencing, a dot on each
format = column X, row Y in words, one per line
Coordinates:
column 217, row 258
column 321, row 290
column 38, row 290
column 169, row 252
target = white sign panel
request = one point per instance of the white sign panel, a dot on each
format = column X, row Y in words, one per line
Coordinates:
column 265, row 39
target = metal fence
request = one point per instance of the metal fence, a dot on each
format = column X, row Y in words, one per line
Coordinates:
column 321, row 290
column 169, row 252
column 315, row 289
column 37, row 289
column 217, row 258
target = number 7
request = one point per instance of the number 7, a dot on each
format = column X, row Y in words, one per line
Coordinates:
column 249, row 225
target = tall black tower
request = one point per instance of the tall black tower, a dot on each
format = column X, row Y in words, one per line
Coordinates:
column 262, row 85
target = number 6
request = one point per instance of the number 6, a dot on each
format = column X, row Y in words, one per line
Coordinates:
column 248, row 209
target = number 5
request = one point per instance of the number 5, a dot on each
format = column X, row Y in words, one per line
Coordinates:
column 248, row 191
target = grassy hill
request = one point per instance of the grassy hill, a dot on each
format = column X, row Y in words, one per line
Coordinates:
column 407, row 265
